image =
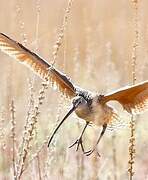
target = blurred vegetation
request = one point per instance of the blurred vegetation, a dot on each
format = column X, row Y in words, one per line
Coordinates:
column 97, row 54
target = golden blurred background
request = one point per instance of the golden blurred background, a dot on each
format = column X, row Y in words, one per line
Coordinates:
column 96, row 53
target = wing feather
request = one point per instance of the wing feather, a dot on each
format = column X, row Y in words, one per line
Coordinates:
column 37, row 65
column 134, row 99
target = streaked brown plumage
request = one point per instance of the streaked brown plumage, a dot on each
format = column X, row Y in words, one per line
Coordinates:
column 87, row 105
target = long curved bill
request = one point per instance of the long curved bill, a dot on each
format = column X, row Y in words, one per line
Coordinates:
column 66, row 116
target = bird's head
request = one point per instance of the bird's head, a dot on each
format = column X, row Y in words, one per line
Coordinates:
column 79, row 101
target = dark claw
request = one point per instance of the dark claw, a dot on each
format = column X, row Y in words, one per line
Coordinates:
column 78, row 142
column 88, row 153
column 73, row 144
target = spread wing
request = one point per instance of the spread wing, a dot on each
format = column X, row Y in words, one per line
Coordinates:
column 134, row 99
column 37, row 65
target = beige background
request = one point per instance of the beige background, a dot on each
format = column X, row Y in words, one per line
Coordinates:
column 97, row 55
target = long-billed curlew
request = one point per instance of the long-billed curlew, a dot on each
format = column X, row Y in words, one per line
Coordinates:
column 87, row 105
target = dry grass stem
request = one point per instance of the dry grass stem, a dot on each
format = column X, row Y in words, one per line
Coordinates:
column 13, row 136
column 20, row 23
column 132, row 149
column 62, row 31
column 31, row 128
column 114, row 156
column 24, row 136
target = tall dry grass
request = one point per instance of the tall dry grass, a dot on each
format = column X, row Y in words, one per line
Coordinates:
column 132, row 140
column 93, row 42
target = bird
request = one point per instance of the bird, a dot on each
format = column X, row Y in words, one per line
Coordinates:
column 90, row 106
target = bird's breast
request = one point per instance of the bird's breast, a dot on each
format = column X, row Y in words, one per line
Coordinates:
column 83, row 112
column 92, row 113
column 97, row 113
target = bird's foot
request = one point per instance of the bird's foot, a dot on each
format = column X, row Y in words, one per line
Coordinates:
column 78, row 142
column 88, row 153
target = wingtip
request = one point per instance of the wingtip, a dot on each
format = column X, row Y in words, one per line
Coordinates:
column 2, row 34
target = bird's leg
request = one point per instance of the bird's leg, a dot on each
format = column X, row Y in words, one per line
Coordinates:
column 79, row 140
column 101, row 135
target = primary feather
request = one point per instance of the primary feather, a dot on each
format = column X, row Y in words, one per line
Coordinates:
column 134, row 99
column 37, row 64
